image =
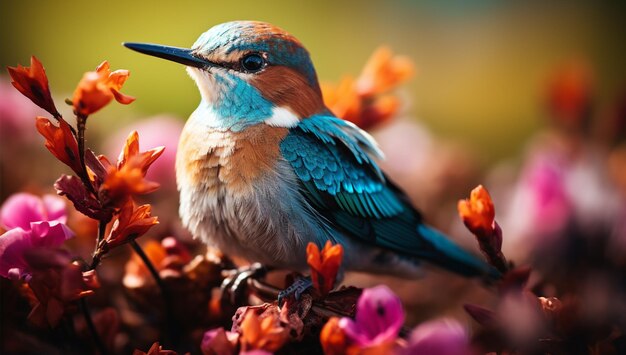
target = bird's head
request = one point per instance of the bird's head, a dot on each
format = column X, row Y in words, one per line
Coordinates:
column 249, row 72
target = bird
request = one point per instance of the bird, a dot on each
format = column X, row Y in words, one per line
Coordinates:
column 263, row 167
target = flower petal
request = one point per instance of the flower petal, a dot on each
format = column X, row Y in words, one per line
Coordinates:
column 55, row 208
column 13, row 245
column 379, row 316
column 441, row 337
column 20, row 210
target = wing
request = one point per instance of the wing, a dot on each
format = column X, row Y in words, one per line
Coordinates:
column 339, row 179
column 342, row 182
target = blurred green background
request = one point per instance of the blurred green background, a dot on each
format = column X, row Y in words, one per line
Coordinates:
column 482, row 65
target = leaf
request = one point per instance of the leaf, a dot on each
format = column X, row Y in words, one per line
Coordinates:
column 84, row 202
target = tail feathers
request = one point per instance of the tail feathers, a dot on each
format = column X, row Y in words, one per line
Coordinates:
column 450, row 256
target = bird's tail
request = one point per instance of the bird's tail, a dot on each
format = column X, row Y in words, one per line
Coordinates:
column 446, row 254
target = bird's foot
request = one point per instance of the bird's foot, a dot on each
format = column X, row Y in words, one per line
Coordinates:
column 235, row 283
column 297, row 288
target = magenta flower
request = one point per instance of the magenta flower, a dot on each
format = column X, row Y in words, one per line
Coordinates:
column 31, row 222
column 439, row 337
column 379, row 317
column 219, row 341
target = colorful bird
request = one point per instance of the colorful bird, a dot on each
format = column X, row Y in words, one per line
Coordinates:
column 263, row 167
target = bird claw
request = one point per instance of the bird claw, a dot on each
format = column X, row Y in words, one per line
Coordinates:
column 234, row 285
column 297, row 288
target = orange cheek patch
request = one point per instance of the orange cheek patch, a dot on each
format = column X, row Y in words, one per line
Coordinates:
column 288, row 88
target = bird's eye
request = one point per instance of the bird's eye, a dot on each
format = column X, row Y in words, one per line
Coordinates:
column 252, row 63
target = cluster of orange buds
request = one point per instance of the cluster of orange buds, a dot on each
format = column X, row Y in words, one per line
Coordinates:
column 369, row 99
column 101, row 190
column 478, row 214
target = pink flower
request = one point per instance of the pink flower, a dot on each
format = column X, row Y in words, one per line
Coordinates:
column 379, row 317
column 32, row 222
column 439, row 337
column 219, row 341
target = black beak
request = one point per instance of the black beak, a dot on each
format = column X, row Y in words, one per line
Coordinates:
column 175, row 54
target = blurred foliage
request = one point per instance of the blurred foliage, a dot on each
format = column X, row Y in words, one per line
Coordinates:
column 481, row 65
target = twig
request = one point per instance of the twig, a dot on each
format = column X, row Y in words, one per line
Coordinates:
column 84, row 307
column 170, row 321
column 81, row 125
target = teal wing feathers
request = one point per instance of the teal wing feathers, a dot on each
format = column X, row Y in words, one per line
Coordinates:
column 337, row 176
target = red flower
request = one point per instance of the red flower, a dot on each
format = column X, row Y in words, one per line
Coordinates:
column 131, row 223
column 61, row 142
column 324, row 265
column 97, row 88
column 32, row 82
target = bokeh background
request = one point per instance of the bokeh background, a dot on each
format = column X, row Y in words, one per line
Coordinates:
column 528, row 98
column 482, row 64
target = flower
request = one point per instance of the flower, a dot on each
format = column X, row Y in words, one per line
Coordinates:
column 569, row 95
column 131, row 223
column 61, row 142
column 218, row 341
column 379, row 318
column 32, row 222
column 333, row 338
column 478, row 213
column 262, row 332
column 32, row 82
column 324, row 265
column 439, row 337
column 155, row 349
column 127, row 177
column 97, row 88
column 155, row 131
column 367, row 101
column 383, row 71
column 169, row 257
column 56, row 283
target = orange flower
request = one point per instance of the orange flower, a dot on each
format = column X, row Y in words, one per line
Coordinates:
column 333, row 338
column 61, row 142
column 155, row 349
column 324, row 265
column 127, row 178
column 343, row 100
column 262, row 333
column 120, row 185
column 32, row 82
column 131, row 151
column 478, row 212
column 383, row 71
column 97, row 88
column 132, row 223
column 366, row 101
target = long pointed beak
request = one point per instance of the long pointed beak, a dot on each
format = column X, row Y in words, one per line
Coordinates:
column 175, row 54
